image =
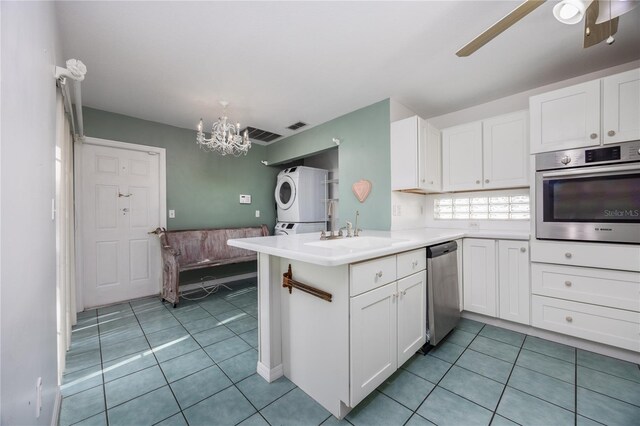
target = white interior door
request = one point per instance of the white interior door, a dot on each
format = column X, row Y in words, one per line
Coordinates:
column 120, row 204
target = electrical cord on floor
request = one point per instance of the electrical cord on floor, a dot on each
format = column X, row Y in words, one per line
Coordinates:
column 214, row 288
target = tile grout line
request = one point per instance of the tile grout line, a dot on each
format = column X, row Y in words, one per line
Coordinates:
column 506, row 384
column 216, row 364
column 575, row 388
column 159, row 367
column 445, row 373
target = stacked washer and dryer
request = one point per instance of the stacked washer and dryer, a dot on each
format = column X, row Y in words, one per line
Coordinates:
column 301, row 195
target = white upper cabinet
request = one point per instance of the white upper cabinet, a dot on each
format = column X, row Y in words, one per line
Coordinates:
column 506, row 150
column 566, row 118
column 488, row 154
column 597, row 112
column 462, row 157
column 621, row 107
column 415, row 156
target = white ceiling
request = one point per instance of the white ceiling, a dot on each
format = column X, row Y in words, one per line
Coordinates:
column 282, row 62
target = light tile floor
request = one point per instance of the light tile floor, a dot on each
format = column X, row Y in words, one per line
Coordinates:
column 145, row 363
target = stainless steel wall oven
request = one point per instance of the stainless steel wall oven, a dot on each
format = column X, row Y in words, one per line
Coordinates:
column 589, row 194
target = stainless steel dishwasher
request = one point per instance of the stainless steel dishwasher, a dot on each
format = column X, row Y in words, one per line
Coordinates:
column 443, row 308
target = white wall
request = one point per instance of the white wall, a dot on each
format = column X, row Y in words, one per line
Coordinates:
column 30, row 51
column 519, row 101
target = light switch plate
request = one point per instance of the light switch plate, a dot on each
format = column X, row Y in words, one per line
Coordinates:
column 257, row 213
column 172, row 214
column 245, row 199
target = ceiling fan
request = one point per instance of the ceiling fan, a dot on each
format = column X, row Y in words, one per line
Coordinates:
column 600, row 20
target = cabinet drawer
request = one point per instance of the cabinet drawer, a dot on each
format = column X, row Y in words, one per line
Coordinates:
column 368, row 275
column 613, row 327
column 595, row 255
column 616, row 289
column 411, row 262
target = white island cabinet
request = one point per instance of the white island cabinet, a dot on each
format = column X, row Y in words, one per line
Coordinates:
column 341, row 350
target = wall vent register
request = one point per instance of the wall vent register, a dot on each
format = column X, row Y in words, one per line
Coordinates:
column 514, row 207
column 260, row 135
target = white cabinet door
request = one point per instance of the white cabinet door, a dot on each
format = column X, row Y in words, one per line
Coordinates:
column 479, row 272
column 460, row 253
column 506, row 150
column 415, row 156
column 513, row 279
column 621, row 107
column 412, row 315
column 462, row 157
column 566, row 118
column 404, row 153
column 432, row 164
column 374, row 355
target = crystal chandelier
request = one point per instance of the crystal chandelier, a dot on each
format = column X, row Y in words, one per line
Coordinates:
column 225, row 137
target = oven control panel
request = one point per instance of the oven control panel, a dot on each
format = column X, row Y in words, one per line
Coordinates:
column 622, row 153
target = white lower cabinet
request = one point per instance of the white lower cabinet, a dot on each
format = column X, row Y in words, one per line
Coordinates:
column 513, row 281
column 479, row 275
column 602, row 305
column 600, row 324
column 412, row 308
column 387, row 326
column 496, row 278
column 374, row 331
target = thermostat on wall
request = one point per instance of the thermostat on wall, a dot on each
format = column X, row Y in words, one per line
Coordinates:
column 245, row 199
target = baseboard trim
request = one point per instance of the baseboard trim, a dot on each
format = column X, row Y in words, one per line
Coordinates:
column 217, row 281
column 587, row 345
column 270, row 374
column 56, row 407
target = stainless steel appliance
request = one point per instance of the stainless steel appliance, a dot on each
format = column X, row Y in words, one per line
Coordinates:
column 590, row 194
column 443, row 312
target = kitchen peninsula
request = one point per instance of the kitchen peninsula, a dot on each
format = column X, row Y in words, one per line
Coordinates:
column 340, row 350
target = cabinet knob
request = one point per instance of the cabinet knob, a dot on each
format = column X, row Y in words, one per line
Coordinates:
column 568, row 255
column 430, row 182
column 593, row 135
column 423, row 180
column 568, row 318
column 379, row 274
column 414, row 264
column 567, row 283
column 393, row 296
column 611, row 133
column 523, row 249
column 404, row 292
column 478, row 181
column 486, row 181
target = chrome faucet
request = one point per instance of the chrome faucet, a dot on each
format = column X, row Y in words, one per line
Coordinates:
column 356, row 231
column 332, row 224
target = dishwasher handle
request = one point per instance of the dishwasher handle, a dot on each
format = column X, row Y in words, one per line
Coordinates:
column 441, row 249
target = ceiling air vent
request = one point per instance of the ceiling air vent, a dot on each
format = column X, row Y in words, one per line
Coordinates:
column 296, row 126
column 260, row 135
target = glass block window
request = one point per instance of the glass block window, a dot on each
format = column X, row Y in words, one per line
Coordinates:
column 515, row 207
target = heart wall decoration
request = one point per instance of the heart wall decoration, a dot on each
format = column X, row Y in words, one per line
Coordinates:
column 361, row 189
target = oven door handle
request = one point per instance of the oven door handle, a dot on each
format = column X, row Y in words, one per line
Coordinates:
column 592, row 171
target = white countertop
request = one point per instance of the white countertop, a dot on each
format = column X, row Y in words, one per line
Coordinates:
column 297, row 247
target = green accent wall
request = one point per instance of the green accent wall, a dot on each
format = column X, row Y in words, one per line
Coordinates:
column 203, row 188
column 363, row 154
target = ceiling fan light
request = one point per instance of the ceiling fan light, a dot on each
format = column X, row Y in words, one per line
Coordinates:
column 570, row 11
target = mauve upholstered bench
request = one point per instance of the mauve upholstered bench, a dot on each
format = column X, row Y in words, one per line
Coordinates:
column 186, row 250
